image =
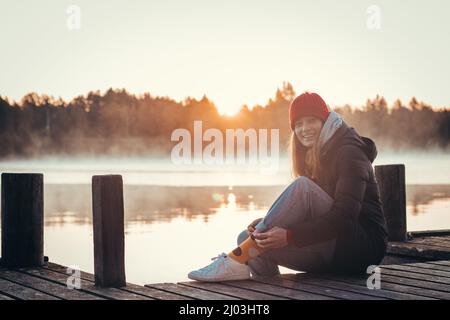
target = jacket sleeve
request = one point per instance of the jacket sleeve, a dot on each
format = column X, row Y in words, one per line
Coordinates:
column 352, row 178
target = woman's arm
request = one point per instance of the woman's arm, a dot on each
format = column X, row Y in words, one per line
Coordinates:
column 352, row 176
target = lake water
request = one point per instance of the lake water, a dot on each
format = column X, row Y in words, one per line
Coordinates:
column 178, row 217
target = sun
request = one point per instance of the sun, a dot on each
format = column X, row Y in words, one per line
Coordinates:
column 230, row 113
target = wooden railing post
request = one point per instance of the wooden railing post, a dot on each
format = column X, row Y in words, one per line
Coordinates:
column 109, row 238
column 391, row 181
column 22, row 220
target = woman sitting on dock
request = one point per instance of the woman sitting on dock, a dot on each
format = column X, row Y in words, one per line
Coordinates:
column 329, row 219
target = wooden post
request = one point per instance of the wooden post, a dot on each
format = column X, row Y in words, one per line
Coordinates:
column 108, row 220
column 22, row 220
column 391, row 181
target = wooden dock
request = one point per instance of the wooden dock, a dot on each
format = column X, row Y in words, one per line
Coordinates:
column 417, row 264
column 412, row 281
column 425, row 245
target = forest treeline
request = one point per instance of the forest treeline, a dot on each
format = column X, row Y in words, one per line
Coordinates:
column 117, row 122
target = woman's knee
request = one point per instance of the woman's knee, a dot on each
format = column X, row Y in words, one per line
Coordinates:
column 302, row 180
column 306, row 184
column 301, row 183
column 242, row 237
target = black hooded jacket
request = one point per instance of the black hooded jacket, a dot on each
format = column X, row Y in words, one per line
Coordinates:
column 356, row 219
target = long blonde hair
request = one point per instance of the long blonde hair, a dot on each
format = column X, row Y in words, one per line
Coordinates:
column 305, row 161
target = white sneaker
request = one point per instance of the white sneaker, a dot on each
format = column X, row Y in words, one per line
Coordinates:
column 222, row 269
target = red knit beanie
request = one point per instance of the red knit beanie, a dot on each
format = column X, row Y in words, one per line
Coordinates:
column 307, row 104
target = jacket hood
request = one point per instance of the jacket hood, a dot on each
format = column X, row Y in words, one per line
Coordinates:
column 342, row 134
column 351, row 137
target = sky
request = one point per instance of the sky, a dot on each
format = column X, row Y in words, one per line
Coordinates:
column 236, row 51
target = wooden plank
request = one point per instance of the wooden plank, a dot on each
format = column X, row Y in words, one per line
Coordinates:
column 426, row 265
column 63, row 269
column 3, row 297
column 423, row 284
column 440, row 262
column 108, row 223
column 86, row 286
column 391, row 259
column 241, row 292
column 195, row 293
column 278, row 290
column 440, row 244
column 445, row 239
column 342, row 292
column 154, row 293
column 130, row 287
column 23, row 293
column 61, row 291
column 418, row 276
column 261, row 286
column 420, row 245
column 441, row 238
column 432, row 244
column 417, row 250
column 329, row 292
column 359, row 289
column 402, row 285
column 439, row 273
column 427, row 233
column 22, row 219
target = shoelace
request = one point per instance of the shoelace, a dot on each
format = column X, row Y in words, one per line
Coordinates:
column 216, row 260
column 219, row 256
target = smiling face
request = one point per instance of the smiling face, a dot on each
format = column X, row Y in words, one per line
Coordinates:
column 307, row 130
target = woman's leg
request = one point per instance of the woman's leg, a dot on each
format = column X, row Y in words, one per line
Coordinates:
column 314, row 258
column 302, row 200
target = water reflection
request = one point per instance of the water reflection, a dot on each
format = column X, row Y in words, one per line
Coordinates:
column 420, row 197
column 71, row 204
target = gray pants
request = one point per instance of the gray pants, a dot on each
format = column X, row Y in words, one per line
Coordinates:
column 301, row 201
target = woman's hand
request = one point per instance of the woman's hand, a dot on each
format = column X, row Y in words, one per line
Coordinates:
column 251, row 226
column 271, row 239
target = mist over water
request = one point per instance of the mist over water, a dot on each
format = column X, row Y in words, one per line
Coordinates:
column 421, row 168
